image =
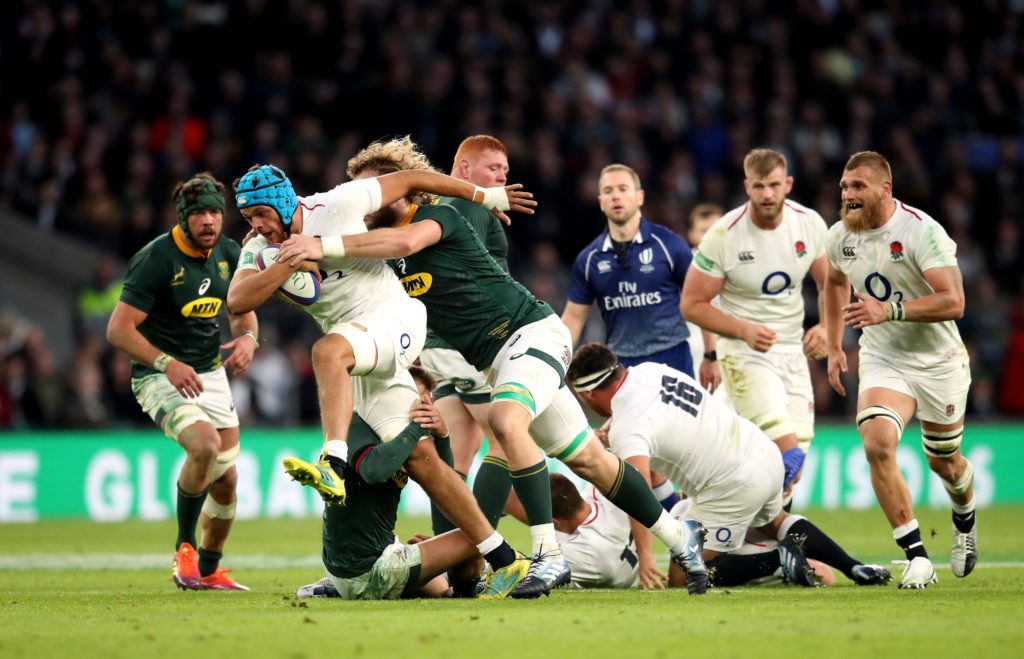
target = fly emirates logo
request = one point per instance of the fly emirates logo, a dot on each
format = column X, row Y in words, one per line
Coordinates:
column 628, row 298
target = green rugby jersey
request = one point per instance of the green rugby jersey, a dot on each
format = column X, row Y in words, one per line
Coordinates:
column 357, row 533
column 182, row 290
column 488, row 228
column 472, row 303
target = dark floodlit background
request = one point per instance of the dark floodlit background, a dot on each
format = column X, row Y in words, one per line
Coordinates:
column 105, row 105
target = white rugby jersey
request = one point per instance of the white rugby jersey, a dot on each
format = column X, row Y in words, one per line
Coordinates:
column 888, row 263
column 351, row 286
column 601, row 552
column 763, row 270
column 689, row 435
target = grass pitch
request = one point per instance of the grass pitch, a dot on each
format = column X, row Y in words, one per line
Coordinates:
column 80, row 589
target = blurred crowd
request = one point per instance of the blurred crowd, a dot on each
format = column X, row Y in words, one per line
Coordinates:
column 105, row 105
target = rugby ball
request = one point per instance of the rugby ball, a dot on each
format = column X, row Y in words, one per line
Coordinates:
column 302, row 288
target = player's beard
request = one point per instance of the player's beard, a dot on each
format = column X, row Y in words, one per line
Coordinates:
column 385, row 217
column 758, row 212
column 867, row 219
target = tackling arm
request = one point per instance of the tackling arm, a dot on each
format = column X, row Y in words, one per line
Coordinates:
column 397, row 185
column 393, row 242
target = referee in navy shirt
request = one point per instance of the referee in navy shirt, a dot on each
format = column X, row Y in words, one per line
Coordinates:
column 634, row 272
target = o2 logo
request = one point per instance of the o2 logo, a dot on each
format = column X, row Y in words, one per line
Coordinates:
column 723, row 535
column 404, row 341
column 880, row 288
column 776, row 283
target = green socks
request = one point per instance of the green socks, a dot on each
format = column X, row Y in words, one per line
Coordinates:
column 631, row 493
column 533, row 485
column 491, row 488
column 189, row 507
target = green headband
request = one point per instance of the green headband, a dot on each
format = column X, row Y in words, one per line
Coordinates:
column 200, row 194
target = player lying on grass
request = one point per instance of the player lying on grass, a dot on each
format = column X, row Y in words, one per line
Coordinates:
column 597, row 540
column 362, row 555
column 662, row 419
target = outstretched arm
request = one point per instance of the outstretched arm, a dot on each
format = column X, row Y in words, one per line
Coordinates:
column 396, row 185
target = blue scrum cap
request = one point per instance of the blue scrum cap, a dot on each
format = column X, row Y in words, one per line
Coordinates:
column 267, row 186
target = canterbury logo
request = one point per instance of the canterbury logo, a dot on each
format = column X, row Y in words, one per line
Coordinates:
column 746, row 257
column 204, row 307
column 417, row 284
column 849, row 253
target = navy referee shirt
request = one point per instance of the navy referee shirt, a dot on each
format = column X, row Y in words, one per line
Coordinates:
column 638, row 296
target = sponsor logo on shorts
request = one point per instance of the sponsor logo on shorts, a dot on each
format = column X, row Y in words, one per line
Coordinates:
column 950, row 409
column 566, row 357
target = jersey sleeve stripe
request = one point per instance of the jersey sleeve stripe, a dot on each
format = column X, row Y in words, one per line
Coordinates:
column 912, row 211
column 586, row 265
column 671, row 263
column 731, row 225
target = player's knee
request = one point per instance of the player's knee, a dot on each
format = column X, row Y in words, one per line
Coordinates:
column 947, row 468
column 424, row 462
column 504, row 425
column 878, row 449
column 202, row 446
column 331, row 349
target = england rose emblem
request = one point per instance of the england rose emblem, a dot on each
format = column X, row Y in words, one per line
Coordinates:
column 895, row 250
column 801, row 248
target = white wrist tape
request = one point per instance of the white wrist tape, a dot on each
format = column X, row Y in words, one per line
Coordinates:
column 494, row 198
column 333, row 246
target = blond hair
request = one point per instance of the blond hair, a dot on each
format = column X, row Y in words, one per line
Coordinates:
column 387, row 157
column 475, row 145
column 759, row 163
column 619, row 167
column 872, row 160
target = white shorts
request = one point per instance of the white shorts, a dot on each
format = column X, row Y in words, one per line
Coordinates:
column 530, row 371
column 386, row 580
column 750, row 498
column 773, row 390
column 941, row 394
column 387, row 340
column 174, row 413
column 455, row 376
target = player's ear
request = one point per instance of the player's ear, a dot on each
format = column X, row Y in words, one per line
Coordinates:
column 789, row 184
column 640, row 197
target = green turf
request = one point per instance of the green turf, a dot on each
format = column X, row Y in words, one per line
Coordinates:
column 109, row 612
